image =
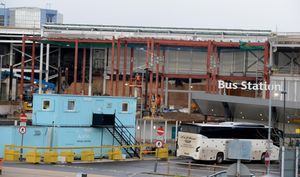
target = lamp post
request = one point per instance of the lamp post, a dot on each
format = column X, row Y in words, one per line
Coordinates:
column 269, row 122
column 284, row 116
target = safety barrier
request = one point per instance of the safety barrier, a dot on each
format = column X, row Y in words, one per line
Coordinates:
column 70, row 154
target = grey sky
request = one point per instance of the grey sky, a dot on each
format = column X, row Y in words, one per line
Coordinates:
column 283, row 15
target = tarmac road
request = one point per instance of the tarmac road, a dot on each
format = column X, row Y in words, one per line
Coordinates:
column 120, row 169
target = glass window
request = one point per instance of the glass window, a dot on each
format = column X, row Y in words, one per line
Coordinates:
column 124, row 107
column 46, row 104
column 71, row 105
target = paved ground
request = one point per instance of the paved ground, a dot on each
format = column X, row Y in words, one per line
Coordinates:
column 121, row 169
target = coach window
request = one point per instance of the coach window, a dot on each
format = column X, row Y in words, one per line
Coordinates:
column 124, row 107
column 46, row 104
column 71, row 105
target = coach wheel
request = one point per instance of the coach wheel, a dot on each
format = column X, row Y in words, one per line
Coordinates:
column 219, row 158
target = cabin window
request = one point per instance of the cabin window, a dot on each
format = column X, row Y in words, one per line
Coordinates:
column 124, row 107
column 71, row 105
column 46, row 104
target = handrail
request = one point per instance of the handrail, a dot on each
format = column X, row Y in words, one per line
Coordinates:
column 130, row 136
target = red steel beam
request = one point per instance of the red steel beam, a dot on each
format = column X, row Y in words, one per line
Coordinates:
column 157, row 69
column 112, row 68
column 144, row 41
column 169, row 42
column 215, row 70
column 74, row 91
column 162, row 76
column 131, row 69
column 34, row 38
column 32, row 68
column 124, row 68
column 147, row 54
column 152, row 64
column 208, row 69
column 238, row 78
column 117, row 68
column 186, row 76
column 266, row 63
column 83, row 72
column 22, row 68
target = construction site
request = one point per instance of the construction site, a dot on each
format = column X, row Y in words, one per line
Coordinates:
column 108, row 86
column 151, row 63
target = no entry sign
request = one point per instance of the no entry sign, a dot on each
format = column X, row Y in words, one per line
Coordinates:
column 160, row 131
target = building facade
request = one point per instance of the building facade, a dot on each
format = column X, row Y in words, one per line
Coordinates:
column 28, row 17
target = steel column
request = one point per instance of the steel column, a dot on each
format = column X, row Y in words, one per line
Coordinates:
column 166, row 91
column 190, row 96
column 112, row 68
column 208, row 69
column 157, row 69
column 41, row 67
column 32, row 68
column 151, row 73
column 90, row 72
column 11, row 72
column 117, row 67
column 162, row 76
column 131, row 69
column 147, row 53
column 83, row 72
column 266, row 65
column 22, row 69
column 59, row 70
column 74, row 91
column 105, row 72
column 124, row 68
column 47, row 62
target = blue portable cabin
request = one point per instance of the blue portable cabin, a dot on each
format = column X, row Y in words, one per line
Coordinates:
column 76, row 110
column 77, row 121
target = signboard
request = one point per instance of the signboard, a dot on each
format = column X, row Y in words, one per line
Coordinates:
column 23, row 117
column 160, row 131
column 22, row 130
column 158, row 143
column 239, row 149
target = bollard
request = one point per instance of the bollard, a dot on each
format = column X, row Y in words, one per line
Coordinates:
column 168, row 168
column 1, row 164
column 189, row 170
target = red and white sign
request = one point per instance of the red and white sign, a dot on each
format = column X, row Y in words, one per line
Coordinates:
column 22, row 129
column 159, row 143
column 267, row 159
column 160, row 131
column 23, row 117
